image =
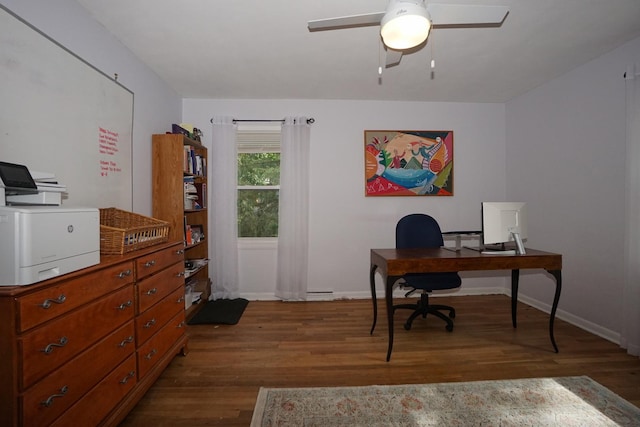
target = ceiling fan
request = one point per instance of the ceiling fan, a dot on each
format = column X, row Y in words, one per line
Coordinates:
column 406, row 23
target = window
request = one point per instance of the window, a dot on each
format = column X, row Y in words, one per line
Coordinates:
column 258, row 181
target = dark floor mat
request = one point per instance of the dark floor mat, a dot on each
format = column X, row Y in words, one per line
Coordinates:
column 222, row 312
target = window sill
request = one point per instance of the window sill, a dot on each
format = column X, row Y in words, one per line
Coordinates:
column 257, row 243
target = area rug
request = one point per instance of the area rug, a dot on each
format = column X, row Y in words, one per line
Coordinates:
column 564, row 401
column 220, row 312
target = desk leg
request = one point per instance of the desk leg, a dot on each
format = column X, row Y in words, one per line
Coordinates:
column 372, row 283
column 558, row 276
column 515, row 277
column 388, row 297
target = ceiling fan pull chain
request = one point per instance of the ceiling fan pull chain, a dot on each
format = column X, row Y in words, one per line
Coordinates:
column 380, row 50
column 433, row 59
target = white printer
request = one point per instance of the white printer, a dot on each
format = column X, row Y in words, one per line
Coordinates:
column 37, row 241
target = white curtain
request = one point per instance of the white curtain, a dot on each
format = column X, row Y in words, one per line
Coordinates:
column 630, row 336
column 223, row 209
column 293, row 224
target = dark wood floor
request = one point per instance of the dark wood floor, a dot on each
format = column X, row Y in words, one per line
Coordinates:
column 297, row 344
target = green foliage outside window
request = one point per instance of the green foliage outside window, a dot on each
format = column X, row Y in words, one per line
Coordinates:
column 258, row 181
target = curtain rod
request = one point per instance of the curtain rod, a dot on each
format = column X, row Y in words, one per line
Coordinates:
column 310, row 120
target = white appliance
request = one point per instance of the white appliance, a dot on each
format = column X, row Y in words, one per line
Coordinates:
column 41, row 242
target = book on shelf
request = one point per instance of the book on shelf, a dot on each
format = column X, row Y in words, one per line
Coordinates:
column 195, row 193
column 190, row 288
column 198, row 165
column 204, row 195
column 186, row 159
column 192, row 266
column 188, row 235
column 190, row 194
column 193, row 162
column 195, row 297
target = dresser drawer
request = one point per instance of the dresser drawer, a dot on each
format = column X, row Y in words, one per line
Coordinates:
column 152, row 320
column 154, row 288
column 152, row 263
column 49, row 346
column 43, row 305
column 101, row 399
column 50, row 397
column 154, row 349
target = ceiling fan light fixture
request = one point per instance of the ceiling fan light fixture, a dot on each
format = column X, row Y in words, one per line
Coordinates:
column 405, row 25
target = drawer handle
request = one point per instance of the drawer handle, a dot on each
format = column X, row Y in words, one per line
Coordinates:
column 180, row 252
column 47, row 303
column 180, row 325
column 124, row 274
column 47, row 403
column 150, row 323
column 128, row 377
column 152, row 291
column 181, row 274
column 150, row 263
column 181, row 299
column 151, row 354
column 126, row 341
column 124, row 305
column 61, row 343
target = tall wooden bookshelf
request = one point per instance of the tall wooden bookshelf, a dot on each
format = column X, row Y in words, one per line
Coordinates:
column 176, row 160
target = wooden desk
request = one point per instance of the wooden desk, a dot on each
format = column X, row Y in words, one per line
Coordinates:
column 395, row 263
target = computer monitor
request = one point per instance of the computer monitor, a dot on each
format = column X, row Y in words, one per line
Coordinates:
column 504, row 222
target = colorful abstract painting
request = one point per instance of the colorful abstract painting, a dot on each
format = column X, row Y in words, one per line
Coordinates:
column 408, row 163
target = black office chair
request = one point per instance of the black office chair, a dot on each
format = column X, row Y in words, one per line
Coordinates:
column 422, row 231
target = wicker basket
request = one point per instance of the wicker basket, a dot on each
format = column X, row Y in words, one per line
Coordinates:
column 122, row 231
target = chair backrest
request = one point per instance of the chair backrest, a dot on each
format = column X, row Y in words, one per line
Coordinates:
column 418, row 231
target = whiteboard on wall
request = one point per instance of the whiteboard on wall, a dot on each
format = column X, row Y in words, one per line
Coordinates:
column 59, row 114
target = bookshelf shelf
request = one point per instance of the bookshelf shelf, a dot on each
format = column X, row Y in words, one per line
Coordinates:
column 180, row 197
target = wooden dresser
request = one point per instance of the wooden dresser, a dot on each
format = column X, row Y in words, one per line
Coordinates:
column 83, row 348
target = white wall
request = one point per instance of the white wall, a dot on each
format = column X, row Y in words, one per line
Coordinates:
column 345, row 224
column 566, row 157
column 156, row 105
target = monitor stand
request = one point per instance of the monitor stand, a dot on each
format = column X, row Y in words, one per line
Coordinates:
column 519, row 244
column 503, row 251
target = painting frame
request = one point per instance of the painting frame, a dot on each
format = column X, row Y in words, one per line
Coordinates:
column 408, row 163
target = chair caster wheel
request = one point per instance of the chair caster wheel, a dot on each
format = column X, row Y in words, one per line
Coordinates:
column 449, row 328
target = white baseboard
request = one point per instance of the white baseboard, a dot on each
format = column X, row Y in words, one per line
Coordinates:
column 581, row 323
column 259, row 296
column 332, row 295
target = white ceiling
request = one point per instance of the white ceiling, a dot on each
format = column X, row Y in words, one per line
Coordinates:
column 262, row 49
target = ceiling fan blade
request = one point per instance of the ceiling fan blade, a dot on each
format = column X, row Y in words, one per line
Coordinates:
column 458, row 14
column 393, row 57
column 346, row 22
